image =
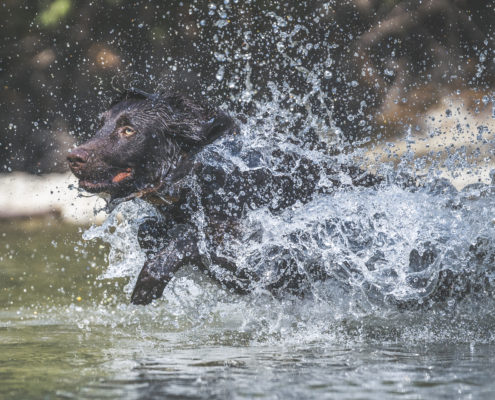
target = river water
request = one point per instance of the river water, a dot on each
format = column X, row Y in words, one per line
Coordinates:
column 66, row 334
column 68, row 331
column 406, row 309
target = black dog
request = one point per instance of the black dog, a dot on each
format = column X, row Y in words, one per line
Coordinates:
column 151, row 146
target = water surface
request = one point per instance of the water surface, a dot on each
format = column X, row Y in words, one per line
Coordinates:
column 67, row 334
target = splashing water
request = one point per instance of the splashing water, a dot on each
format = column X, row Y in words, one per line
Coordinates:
column 399, row 260
column 396, row 259
column 120, row 230
column 399, row 278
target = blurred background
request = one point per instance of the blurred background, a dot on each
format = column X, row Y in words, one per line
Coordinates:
column 368, row 71
column 387, row 81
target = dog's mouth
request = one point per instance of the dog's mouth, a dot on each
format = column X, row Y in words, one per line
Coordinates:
column 112, row 183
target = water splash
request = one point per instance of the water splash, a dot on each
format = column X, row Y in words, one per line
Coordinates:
column 395, row 258
column 403, row 260
column 120, row 231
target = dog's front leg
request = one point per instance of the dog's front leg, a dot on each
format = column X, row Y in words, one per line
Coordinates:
column 160, row 268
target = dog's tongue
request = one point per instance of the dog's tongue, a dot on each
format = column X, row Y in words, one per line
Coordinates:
column 121, row 175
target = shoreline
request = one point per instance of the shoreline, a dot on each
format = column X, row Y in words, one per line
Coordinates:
column 25, row 196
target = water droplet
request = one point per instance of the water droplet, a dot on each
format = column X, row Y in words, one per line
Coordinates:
column 328, row 74
column 220, row 73
column 221, row 23
column 220, row 57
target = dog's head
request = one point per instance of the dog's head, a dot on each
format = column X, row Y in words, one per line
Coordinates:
column 141, row 139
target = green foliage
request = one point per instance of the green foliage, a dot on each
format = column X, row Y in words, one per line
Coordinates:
column 55, row 12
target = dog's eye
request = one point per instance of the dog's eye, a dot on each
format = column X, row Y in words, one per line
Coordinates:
column 127, row 131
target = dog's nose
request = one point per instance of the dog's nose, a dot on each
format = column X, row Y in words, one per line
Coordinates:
column 77, row 156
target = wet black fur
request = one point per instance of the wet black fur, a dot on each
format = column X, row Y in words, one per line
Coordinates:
column 164, row 159
column 163, row 165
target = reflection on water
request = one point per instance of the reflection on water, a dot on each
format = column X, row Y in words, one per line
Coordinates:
column 64, row 333
column 62, row 362
column 308, row 371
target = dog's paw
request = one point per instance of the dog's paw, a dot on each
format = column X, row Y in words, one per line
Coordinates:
column 146, row 290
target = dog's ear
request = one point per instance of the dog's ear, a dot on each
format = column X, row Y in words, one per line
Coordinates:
column 194, row 126
column 219, row 125
column 192, row 140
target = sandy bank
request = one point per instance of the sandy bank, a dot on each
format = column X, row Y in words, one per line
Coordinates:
column 28, row 196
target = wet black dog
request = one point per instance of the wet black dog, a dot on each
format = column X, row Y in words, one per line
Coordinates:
column 150, row 146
